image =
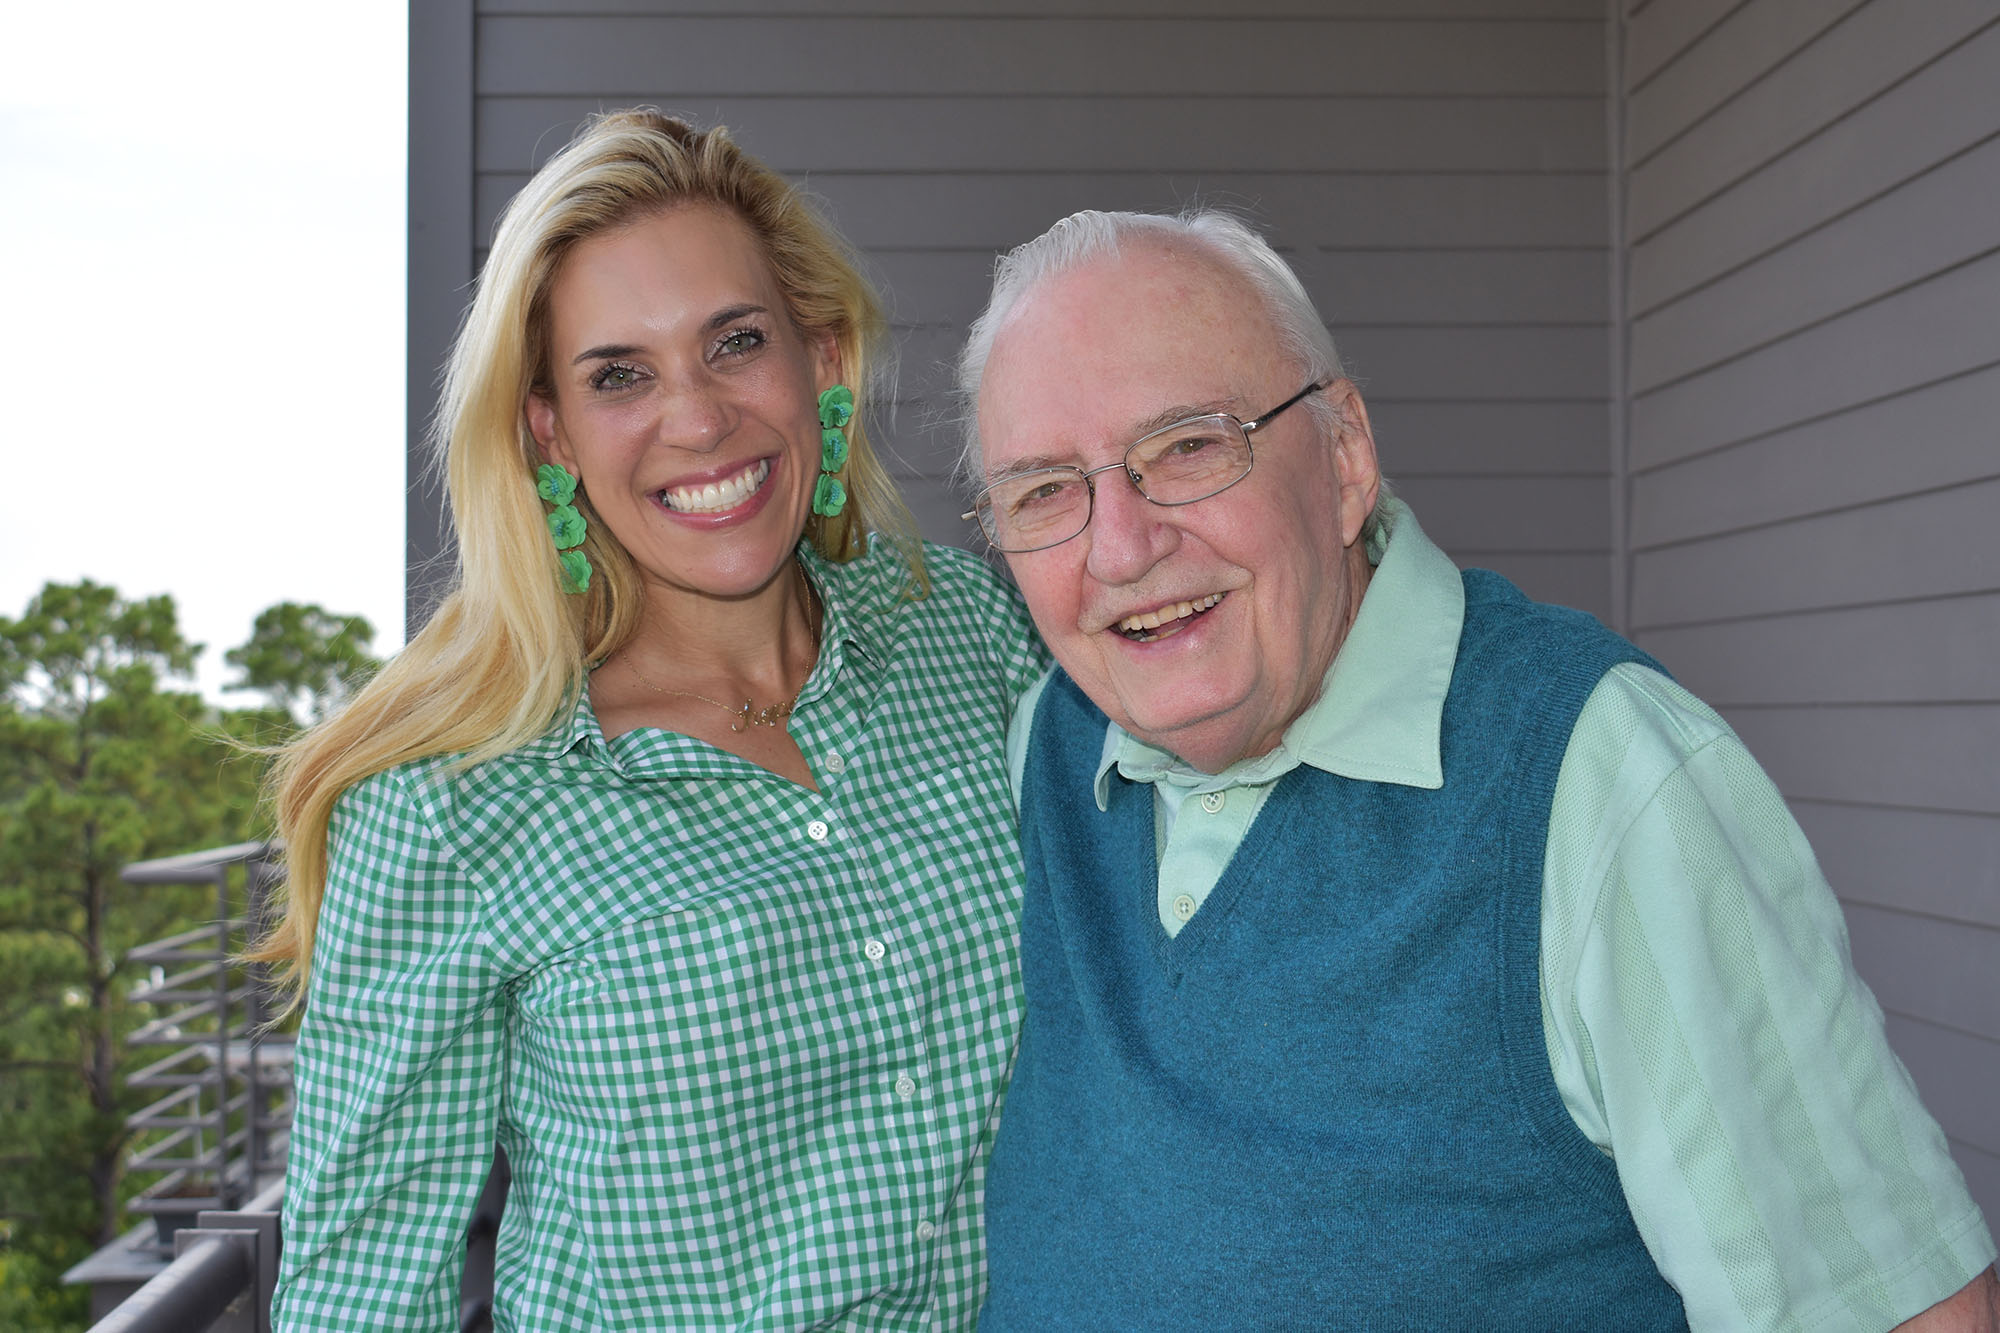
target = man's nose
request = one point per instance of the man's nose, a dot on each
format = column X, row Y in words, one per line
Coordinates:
column 1128, row 534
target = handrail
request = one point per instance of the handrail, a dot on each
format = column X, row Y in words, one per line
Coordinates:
column 192, row 1292
column 226, row 1257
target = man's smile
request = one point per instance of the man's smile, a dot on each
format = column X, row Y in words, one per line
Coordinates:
column 1169, row 619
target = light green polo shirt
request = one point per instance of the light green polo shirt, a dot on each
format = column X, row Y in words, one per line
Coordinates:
column 1704, row 1022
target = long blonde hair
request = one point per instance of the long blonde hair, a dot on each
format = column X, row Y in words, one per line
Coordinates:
column 506, row 652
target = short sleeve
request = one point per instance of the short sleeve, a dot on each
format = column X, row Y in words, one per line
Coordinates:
column 401, row 1061
column 1708, row 1029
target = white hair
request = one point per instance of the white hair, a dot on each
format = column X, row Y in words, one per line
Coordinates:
column 1089, row 235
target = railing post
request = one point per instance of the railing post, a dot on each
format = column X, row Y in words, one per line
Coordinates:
column 225, row 1190
column 266, row 1239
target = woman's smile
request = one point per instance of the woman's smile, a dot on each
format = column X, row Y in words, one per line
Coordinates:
column 716, row 496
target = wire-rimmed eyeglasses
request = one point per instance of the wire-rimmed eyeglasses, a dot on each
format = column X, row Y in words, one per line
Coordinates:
column 1175, row 465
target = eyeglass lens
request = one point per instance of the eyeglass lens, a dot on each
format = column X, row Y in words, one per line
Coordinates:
column 1188, row 461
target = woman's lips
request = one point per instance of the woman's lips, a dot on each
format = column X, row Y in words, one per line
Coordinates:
column 716, row 497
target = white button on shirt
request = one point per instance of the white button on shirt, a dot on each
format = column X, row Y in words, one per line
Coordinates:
column 1212, row 801
column 1184, row 906
column 817, row 830
column 874, row 949
column 906, row 1087
column 835, row 764
column 925, row 1231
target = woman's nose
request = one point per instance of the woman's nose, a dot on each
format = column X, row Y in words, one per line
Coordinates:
column 696, row 413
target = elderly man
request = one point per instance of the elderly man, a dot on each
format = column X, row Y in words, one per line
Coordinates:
column 1399, row 952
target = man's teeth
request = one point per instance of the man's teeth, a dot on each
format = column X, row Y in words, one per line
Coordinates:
column 717, row 494
column 1178, row 611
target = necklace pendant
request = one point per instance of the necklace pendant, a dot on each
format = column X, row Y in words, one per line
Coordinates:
column 743, row 718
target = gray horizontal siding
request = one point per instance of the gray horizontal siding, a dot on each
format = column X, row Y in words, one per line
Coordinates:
column 1869, row 51
column 1727, row 60
column 1942, row 756
column 1841, row 266
column 1813, row 288
column 1023, row 58
column 981, row 211
column 1141, row 10
column 1931, row 970
column 1943, row 1057
column 1890, row 856
column 1935, row 113
column 1487, row 438
column 1655, row 34
column 1937, row 544
column 1166, row 134
column 1896, row 652
column 1923, row 333
column 1932, row 436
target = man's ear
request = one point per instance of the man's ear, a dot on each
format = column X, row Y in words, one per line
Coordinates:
column 541, row 413
column 1354, row 461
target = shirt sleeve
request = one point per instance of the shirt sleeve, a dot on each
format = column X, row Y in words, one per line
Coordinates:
column 401, row 1061
column 1708, row 1031
column 1018, row 732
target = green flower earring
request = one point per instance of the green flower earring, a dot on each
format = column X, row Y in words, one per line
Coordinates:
column 836, row 409
column 566, row 526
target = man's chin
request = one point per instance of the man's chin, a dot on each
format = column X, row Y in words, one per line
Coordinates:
column 1210, row 735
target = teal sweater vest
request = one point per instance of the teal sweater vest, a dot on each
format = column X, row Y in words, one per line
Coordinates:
column 1327, row 1102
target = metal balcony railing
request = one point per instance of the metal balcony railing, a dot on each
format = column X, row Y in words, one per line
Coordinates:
column 217, row 1131
column 220, row 1126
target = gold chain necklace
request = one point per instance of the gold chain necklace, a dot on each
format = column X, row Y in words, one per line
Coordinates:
column 748, row 714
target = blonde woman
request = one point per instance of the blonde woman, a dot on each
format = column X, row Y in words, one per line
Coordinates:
column 675, row 854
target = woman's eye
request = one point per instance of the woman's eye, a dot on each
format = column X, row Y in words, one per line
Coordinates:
column 616, row 375
column 738, row 342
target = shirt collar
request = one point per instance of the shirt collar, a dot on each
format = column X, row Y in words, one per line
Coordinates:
column 841, row 626
column 578, row 728
column 1381, row 702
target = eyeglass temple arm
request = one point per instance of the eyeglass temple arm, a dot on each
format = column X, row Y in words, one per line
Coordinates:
column 1251, row 427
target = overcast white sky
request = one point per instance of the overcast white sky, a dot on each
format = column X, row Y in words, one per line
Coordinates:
column 201, row 274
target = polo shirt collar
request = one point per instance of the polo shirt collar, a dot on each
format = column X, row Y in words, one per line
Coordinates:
column 1381, row 703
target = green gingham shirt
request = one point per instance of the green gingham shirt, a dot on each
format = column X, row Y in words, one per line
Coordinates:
column 743, row 1043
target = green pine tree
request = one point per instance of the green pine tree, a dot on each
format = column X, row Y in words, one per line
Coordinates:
column 305, row 659
column 102, row 763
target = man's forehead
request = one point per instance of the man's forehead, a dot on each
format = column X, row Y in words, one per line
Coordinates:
column 1096, row 357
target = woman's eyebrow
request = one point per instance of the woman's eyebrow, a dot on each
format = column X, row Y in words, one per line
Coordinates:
column 730, row 314
column 606, row 352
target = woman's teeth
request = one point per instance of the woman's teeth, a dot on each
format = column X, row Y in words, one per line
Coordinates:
column 1142, row 627
column 717, row 495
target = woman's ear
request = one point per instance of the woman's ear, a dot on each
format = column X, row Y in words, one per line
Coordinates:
column 542, row 424
column 826, row 362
